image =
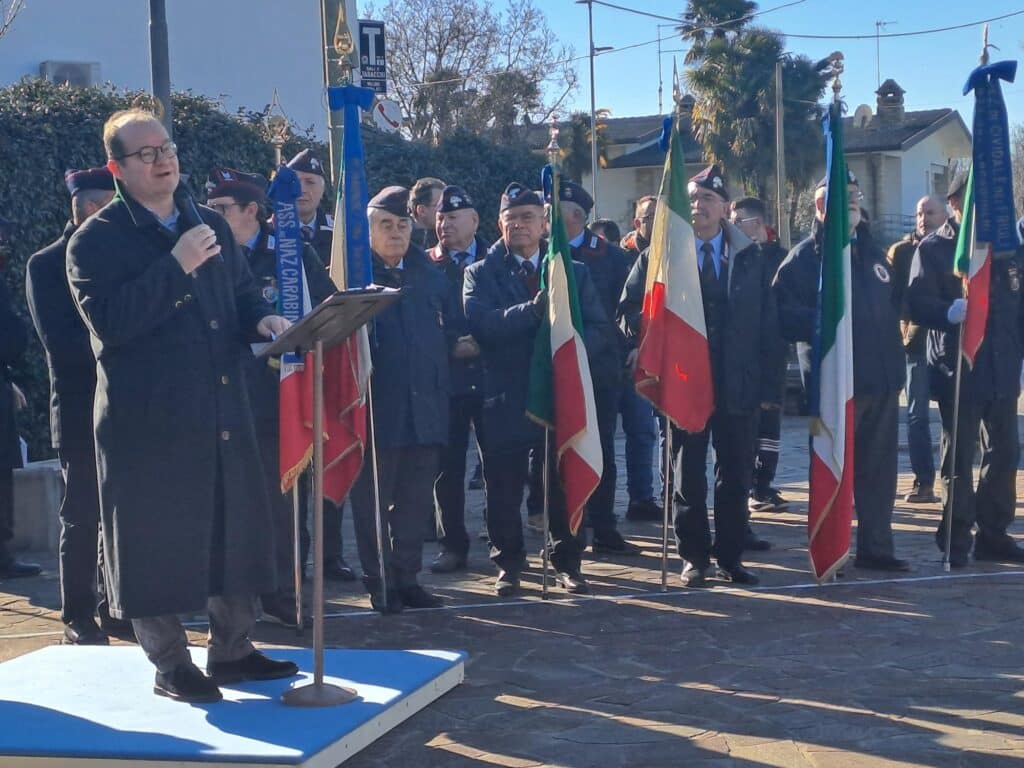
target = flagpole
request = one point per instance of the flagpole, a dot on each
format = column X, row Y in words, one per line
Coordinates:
column 546, row 556
column 377, row 519
column 947, row 517
column 668, row 497
column 297, row 558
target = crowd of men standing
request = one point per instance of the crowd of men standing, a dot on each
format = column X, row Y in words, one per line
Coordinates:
column 147, row 306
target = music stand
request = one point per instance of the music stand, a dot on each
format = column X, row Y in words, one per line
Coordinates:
column 326, row 326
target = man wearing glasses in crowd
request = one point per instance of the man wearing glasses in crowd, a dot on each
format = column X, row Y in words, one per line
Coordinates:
column 171, row 306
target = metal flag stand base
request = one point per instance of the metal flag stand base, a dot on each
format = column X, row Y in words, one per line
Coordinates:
column 318, row 693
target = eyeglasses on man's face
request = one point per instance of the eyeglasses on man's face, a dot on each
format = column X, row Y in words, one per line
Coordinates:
column 223, row 208
column 150, row 155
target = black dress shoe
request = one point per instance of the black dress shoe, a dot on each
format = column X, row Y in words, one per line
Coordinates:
column 645, row 510
column 15, row 569
column 612, row 543
column 186, row 683
column 507, row 583
column 737, row 574
column 754, row 543
column 122, row 629
column 280, row 610
column 84, row 632
column 448, row 562
column 572, row 582
column 384, row 604
column 417, row 597
column 1007, row 553
column 880, row 563
column 694, row 575
column 255, row 666
column 336, row 569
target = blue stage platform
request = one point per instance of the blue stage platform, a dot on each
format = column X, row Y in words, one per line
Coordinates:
column 91, row 706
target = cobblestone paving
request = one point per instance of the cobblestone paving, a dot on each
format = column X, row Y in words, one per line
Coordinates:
column 925, row 669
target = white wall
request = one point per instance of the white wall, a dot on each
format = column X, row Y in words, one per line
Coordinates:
column 235, row 50
column 942, row 147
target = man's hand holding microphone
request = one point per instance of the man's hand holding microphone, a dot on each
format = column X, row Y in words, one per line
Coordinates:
column 194, row 248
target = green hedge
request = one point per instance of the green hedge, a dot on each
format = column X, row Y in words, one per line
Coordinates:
column 46, row 129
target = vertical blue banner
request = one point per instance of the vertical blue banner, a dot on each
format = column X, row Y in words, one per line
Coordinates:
column 283, row 192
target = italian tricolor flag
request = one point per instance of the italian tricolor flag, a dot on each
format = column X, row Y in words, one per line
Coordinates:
column 561, row 393
column 830, row 512
column 673, row 367
column 973, row 263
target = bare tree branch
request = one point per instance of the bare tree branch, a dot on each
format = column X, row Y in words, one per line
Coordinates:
column 8, row 10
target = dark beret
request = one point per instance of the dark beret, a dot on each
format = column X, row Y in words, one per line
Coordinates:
column 89, row 178
column 710, row 178
column 393, row 199
column 244, row 187
column 570, row 191
column 850, row 179
column 454, row 198
column 516, row 194
column 957, row 185
column 307, row 162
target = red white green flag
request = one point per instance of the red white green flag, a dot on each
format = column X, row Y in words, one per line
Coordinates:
column 673, row 367
column 830, row 511
column 973, row 263
column 561, row 392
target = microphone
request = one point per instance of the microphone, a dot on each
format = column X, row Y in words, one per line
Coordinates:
column 188, row 211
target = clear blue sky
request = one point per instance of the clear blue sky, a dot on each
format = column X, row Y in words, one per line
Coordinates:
column 931, row 68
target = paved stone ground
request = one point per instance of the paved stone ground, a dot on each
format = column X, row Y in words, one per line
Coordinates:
column 921, row 670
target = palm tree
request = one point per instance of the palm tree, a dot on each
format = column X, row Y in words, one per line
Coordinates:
column 705, row 20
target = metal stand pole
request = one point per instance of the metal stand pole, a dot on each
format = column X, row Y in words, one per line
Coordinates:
column 318, row 693
column 297, row 557
column 378, row 521
column 668, row 500
column 947, row 511
column 546, row 556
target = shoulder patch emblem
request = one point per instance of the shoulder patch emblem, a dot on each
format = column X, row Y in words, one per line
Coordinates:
column 882, row 273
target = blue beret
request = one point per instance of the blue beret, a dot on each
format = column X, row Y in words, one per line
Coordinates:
column 307, row 162
column 244, row 187
column 454, row 198
column 572, row 192
column 710, row 178
column 393, row 199
column 516, row 194
column 88, row 178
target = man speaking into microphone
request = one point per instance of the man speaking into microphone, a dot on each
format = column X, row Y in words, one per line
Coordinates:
column 171, row 305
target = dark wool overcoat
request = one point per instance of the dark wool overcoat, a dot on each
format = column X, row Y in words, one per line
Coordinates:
column 184, row 509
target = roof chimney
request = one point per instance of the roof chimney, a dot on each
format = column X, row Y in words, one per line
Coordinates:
column 890, row 102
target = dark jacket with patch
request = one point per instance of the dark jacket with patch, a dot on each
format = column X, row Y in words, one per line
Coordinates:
column 65, row 339
column 750, row 336
column 608, row 266
column 411, row 343
column 467, row 374
column 933, row 288
column 879, row 365
column 185, row 513
column 504, row 322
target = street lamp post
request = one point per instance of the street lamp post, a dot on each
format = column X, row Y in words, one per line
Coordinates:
column 593, row 106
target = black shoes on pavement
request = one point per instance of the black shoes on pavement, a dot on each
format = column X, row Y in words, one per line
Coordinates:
column 507, row 583
column 448, row 562
column 645, row 510
column 84, row 631
column 612, row 543
column 188, row 684
column 696, row 576
column 336, row 569
column 921, row 495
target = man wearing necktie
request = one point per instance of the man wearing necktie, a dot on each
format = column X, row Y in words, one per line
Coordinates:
column 241, row 198
column 504, row 310
column 315, row 227
column 458, row 246
column 879, row 367
column 411, row 344
column 740, row 317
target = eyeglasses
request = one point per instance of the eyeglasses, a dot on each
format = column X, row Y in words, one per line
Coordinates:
column 222, row 208
column 855, row 197
column 149, row 155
